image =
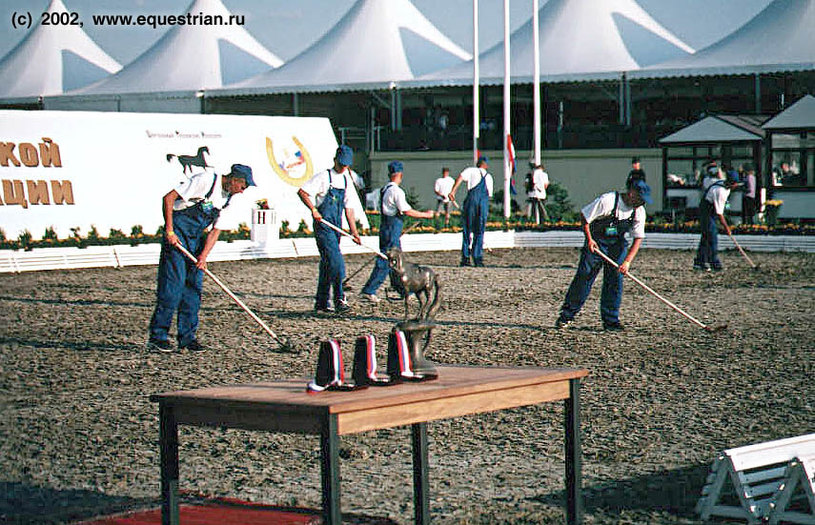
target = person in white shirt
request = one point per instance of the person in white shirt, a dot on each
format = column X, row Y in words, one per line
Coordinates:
column 442, row 189
column 475, row 209
column 205, row 200
column 393, row 206
column 715, row 192
column 536, row 194
column 333, row 193
column 606, row 221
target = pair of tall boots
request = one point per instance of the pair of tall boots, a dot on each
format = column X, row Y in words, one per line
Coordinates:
column 404, row 364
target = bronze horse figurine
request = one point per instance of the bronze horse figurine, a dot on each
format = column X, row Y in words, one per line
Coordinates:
column 416, row 279
column 188, row 161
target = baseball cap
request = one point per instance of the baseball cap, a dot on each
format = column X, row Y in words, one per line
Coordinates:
column 483, row 159
column 643, row 189
column 241, row 171
column 395, row 167
column 634, row 160
column 732, row 177
column 345, row 155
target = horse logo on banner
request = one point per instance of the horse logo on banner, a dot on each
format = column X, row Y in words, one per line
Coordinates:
column 188, row 161
column 291, row 161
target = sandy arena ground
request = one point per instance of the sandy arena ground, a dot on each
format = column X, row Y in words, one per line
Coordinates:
column 78, row 435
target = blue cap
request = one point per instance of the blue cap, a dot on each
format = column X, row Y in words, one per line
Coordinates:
column 643, row 189
column 484, row 159
column 241, row 171
column 395, row 167
column 345, row 155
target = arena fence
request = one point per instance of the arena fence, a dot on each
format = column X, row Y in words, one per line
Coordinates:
column 147, row 254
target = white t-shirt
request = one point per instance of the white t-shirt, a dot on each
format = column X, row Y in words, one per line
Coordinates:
column 196, row 188
column 718, row 196
column 473, row 175
column 603, row 205
column 394, row 200
column 318, row 185
column 443, row 185
column 540, row 179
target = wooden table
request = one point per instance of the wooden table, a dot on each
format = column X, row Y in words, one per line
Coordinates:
column 284, row 406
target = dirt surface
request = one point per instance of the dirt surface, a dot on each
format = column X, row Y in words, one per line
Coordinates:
column 79, row 436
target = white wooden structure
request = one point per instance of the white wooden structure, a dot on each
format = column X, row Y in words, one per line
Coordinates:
column 801, row 476
column 758, row 474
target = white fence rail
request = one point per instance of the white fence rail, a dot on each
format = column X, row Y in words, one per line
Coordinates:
column 146, row 254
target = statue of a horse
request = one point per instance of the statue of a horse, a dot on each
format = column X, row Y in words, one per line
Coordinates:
column 188, row 161
column 416, row 279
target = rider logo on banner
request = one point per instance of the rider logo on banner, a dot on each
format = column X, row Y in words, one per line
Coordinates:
column 290, row 160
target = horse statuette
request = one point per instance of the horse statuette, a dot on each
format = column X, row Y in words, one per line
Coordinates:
column 419, row 280
column 188, row 161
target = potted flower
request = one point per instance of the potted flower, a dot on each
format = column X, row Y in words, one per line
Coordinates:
column 771, row 208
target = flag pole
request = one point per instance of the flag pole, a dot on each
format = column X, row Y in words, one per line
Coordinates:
column 476, row 99
column 536, row 84
column 507, row 168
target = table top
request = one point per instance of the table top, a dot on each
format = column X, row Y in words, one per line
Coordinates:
column 452, row 381
column 459, row 390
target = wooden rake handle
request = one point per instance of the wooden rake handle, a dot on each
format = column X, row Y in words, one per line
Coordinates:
column 234, row 297
column 652, row 292
column 749, row 260
column 343, row 232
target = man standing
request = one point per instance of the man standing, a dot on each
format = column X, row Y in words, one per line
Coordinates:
column 716, row 191
column 393, row 206
column 332, row 191
column 475, row 210
column 749, row 201
column 636, row 173
column 442, row 189
column 605, row 222
column 192, row 207
column 537, row 194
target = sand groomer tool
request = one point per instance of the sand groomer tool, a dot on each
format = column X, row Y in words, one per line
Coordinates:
column 648, row 289
column 749, row 260
column 356, row 272
column 285, row 345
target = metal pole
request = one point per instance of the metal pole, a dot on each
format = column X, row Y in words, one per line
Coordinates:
column 507, row 167
column 168, row 443
column 536, row 83
column 330, row 463
column 476, row 96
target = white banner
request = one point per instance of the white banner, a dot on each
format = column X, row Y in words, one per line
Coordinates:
column 72, row 169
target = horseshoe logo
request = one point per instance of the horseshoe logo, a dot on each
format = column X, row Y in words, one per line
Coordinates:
column 282, row 170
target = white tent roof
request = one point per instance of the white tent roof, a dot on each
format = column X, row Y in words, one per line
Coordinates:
column 779, row 38
column 578, row 39
column 370, row 44
column 36, row 65
column 719, row 128
column 800, row 115
column 187, row 57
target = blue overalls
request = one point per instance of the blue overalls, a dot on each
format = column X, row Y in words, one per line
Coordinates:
column 332, row 265
column 179, row 281
column 476, row 207
column 708, row 251
column 390, row 231
column 609, row 233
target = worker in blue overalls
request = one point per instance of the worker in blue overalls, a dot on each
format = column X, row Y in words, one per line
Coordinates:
column 605, row 222
column 202, row 201
column 716, row 189
column 332, row 191
column 393, row 206
column 475, row 210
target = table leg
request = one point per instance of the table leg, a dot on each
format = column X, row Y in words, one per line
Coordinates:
column 168, row 442
column 421, row 508
column 574, row 483
column 330, row 454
